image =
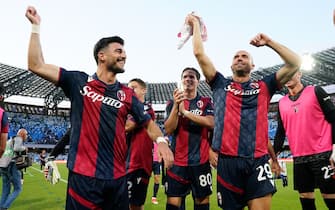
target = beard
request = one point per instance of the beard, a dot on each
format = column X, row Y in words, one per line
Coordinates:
column 242, row 72
column 115, row 69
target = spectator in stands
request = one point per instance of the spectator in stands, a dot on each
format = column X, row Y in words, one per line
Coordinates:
column 189, row 119
column 241, row 123
column 139, row 160
column 4, row 126
column 9, row 172
column 43, row 158
column 98, row 149
column 307, row 116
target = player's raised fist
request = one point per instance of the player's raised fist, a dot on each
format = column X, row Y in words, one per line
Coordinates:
column 32, row 15
column 260, row 40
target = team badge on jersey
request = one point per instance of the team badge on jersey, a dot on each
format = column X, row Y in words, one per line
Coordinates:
column 200, row 104
column 121, row 95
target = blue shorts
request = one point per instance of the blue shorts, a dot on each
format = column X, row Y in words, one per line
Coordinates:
column 180, row 180
column 240, row 180
column 156, row 168
column 137, row 187
column 316, row 173
column 85, row 192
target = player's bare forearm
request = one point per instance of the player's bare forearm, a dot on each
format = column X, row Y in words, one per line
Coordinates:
column 291, row 59
column 272, row 151
column 153, row 130
column 171, row 122
column 36, row 62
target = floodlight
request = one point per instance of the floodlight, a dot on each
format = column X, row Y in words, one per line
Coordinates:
column 307, row 62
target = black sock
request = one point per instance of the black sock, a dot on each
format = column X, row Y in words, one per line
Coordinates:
column 330, row 203
column 307, row 203
column 171, row 207
column 156, row 186
column 201, row 206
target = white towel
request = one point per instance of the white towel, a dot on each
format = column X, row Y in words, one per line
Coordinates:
column 186, row 32
column 51, row 172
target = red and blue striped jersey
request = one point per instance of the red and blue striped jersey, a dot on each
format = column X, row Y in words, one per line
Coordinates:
column 241, row 122
column 141, row 145
column 190, row 141
column 99, row 111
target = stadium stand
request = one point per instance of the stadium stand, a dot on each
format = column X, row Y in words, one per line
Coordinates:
column 35, row 103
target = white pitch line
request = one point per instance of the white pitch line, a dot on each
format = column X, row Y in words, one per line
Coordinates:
column 63, row 180
column 30, row 174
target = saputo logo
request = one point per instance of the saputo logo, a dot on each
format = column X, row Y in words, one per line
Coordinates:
column 241, row 92
column 87, row 91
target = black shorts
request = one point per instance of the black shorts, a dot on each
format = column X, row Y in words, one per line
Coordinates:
column 86, row 193
column 137, row 187
column 180, row 180
column 313, row 174
column 242, row 179
column 156, row 168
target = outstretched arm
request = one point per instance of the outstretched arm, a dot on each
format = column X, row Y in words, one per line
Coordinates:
column 205, row 63
column 35, row 56
column 291, row 59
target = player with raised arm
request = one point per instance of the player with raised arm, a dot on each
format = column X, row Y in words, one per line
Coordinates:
column 99, row 108
column 240, row 141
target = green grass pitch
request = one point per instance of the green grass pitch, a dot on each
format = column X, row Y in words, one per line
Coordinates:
column 38, row 194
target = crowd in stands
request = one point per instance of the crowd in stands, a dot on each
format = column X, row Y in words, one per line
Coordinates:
column 42, row 129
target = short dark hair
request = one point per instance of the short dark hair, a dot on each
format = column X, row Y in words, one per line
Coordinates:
column 104, row 42
column 197, row 74
column 139, row 81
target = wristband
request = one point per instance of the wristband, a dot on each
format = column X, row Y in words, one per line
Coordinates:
column 35, row 29
column 160, row 140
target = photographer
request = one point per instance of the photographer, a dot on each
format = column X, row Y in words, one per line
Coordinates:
column 9, row 171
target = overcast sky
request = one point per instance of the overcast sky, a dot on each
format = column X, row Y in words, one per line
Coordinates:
column 70, row 28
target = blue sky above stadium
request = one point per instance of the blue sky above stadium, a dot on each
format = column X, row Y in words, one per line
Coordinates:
column 70, row 29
